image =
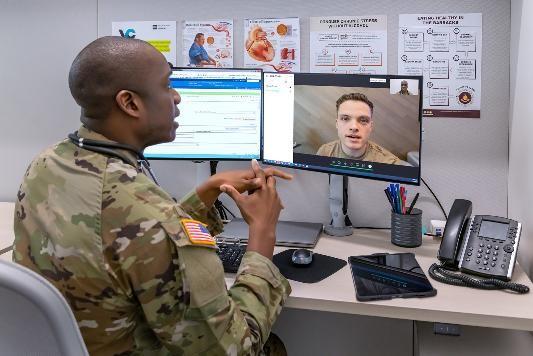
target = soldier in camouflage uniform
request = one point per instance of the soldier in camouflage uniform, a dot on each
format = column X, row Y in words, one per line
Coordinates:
column 354, row 125
column 138, row 278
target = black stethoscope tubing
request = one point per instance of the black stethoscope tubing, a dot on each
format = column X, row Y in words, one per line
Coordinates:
column 109, row 149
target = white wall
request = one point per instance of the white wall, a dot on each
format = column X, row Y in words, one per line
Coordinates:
column 521, row 128
column 39, row 40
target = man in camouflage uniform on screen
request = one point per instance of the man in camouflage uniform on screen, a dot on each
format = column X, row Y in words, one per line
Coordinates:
column 138, row 276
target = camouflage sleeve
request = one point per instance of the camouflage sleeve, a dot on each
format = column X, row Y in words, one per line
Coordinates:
column 234, row 323
column 192, row 204
column 180, row 285
column 259, row 292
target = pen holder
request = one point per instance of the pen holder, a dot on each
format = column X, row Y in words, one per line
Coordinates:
column 406, row 229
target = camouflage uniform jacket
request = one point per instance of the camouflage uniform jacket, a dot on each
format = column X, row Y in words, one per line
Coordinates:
column 111, row 241
column 373, row 153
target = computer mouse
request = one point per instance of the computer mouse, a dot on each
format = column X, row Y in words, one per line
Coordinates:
column 302, row 256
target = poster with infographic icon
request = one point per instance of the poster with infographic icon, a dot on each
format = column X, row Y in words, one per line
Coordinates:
column 446, row 50
column 272, row 44
column 160, row 34
column 208, row 43
column 348, row 44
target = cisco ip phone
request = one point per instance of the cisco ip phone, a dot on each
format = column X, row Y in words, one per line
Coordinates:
column 480, row 245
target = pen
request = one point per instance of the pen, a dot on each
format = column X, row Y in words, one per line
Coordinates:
column 413, row 203
column 392, row 189
column 387, row 193
column 402, row 199
column 398, row 199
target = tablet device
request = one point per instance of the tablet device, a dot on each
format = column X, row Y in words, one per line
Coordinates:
column 386, row 276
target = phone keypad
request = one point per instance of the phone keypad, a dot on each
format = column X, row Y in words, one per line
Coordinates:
column 493, row 256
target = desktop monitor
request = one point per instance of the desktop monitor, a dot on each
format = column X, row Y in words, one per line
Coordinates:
column 220, row 115
column 366, row 126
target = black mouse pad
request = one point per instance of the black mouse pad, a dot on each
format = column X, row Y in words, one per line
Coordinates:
column 321, row 267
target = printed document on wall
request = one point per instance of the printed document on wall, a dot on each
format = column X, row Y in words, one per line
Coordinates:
column 160, row 34
column 348, row 44
column 446, row 50
column 272, row 44
column 208, row 43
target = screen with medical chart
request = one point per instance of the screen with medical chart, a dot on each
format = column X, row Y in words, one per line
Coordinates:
column 220, row 115
column 366, row 126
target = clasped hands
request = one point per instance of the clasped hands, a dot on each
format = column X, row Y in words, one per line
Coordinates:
column 236, row 182
column 260, row 208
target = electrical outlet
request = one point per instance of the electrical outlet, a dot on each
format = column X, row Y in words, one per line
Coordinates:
column 437, row 227
column 447, row 329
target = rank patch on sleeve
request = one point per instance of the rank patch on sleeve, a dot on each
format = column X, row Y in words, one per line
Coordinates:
column 197, row 232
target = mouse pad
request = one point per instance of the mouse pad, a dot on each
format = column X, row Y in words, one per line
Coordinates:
column 321, row 267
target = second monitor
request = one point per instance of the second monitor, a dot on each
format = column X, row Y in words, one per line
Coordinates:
column 366, row 126
column 220, row 119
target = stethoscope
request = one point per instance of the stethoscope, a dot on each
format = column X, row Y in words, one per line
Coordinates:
column 109, row 148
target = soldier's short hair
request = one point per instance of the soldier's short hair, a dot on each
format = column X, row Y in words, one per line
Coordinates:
column 404, row 82
column 355, row 97
column 103, row 68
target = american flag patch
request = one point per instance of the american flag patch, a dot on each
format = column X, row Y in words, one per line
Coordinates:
column 197, row 232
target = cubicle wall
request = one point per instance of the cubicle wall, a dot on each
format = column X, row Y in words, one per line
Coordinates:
column 38, row 41
column 461, row 158
column 465, row 158
column 521, row 127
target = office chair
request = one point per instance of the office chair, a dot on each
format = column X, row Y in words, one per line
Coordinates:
column 35, row 319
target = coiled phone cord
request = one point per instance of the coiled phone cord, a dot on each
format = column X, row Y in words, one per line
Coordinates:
column 444, row 275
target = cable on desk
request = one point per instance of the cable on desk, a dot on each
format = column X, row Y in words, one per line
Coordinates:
column 437, row 199
column 441, row 274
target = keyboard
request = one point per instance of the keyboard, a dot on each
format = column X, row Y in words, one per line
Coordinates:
column 231, row 255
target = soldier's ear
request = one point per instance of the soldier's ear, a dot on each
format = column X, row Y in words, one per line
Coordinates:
column 129, row 102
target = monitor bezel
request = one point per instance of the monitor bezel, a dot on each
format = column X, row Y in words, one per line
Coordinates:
column 204, row 159
column 329, row 171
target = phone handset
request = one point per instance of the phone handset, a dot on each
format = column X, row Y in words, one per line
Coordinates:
column 467, row 236
column 454, row 231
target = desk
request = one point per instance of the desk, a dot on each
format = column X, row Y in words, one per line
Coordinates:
column 6, row 229
column 456, row 305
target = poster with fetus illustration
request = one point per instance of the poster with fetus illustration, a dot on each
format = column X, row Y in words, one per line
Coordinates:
column 272, row 44
column 215, row 37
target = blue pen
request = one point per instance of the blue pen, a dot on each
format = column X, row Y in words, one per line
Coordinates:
column 391, row 190
column 394, row 194
column 397, row 195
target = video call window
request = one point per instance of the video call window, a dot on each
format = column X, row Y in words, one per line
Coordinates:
column 220, row 115
column 357, row 125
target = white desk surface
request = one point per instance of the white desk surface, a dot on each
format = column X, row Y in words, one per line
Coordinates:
column 452, row 304
column 457, row 305
column 6, row 228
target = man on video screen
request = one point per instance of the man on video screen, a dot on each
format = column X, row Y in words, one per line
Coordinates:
column 354, row 126
column 404, row 88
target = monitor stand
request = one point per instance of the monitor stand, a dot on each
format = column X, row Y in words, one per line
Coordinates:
column 203, row 171
column 338, row 206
